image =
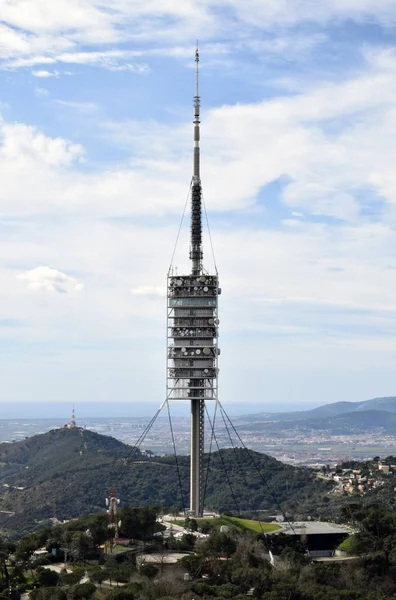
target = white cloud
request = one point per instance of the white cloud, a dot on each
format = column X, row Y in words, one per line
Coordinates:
column 82, row 107
column 45, row 279
column 292, row 45
column 149, row 290
column 44, row 32
column 306, row 140
column 321, row 293
column 290, row 12
column 45, row 74
column 284, row 138
column 23, row 146
column 41, row 92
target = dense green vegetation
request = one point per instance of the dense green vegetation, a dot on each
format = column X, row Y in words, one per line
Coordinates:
column 228, row 565
column 67, row 473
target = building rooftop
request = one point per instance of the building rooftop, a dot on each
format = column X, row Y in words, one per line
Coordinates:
column 167, row 559
column 313, row 528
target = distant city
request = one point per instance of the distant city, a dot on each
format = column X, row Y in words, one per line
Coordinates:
column 289, row 442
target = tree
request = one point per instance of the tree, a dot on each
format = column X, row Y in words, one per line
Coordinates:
column 193, row 564
column 187, row 542
column 47, row 594
column 122, row 573
column 193, row 525
column 121, row 594
column 24, row 550
column 98, row 529
column 3, row 562
column 207, row 527
column 138, row 523
column 80, row 545
column 98, row 576
column 10, row 594
column 83, row 591
column 46, row 578
column 149, row 571
column 220, row 544
column 70, row 578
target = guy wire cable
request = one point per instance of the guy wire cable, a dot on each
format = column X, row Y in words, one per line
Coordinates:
column 210, row 235
column 115, row 472
column 259, row 471
column 180, row 226
column 176, row 460
column 240, row 467
column 209, row 456
column 222, row 462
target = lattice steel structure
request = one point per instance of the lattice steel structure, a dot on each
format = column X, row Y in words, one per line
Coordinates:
column 112, row 502
column 192, row 326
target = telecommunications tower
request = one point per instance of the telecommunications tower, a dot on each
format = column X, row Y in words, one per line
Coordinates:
column 112, row 502
column 192, row 328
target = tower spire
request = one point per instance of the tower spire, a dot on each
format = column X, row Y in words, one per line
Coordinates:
column 197, row 101
column 196, row 253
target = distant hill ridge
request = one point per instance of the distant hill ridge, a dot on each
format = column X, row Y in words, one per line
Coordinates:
column 387, row 404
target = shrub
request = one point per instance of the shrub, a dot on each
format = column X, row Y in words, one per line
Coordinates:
column 148, row 571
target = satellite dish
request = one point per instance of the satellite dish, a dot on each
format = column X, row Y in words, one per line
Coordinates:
column 211, row 321
column 217, row 321
column 198, row 351
column 206, row 289
column 202, row 279
column 206, row 351
column 218, row 352
column 206, row 370
column 183, row 349
column 179, row 282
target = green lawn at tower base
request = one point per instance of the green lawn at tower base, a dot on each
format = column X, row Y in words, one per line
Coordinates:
column 257, row 526
column 241, row 524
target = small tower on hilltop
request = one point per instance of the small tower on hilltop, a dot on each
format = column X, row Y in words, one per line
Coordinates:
column 72, row 423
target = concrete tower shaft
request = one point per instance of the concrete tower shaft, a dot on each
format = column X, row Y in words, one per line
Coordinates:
column 192, row 325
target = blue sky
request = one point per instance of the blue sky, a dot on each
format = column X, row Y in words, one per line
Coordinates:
column 298, row 130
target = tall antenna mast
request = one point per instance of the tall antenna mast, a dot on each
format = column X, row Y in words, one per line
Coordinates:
column 192, row 325
column 196, row 253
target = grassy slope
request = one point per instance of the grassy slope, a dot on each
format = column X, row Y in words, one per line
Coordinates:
column 257, row 526
column 242, row 524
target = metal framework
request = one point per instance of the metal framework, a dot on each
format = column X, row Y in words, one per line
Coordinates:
column 111, row 502
column 192, row 329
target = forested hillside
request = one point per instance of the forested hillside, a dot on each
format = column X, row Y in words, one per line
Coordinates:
column 67, row 473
